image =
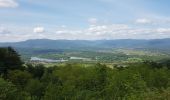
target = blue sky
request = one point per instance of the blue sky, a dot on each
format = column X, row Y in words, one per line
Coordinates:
column 84, row 19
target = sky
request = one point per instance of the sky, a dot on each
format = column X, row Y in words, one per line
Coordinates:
column 21, row 20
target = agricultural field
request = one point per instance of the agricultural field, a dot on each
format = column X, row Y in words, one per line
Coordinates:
column 107, row 56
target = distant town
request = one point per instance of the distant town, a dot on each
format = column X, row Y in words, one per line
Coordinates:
column 44, row 60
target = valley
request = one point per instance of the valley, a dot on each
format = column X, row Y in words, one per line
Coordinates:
column 100, row 51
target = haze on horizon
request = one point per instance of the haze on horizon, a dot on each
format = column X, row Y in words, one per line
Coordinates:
column 84, row 19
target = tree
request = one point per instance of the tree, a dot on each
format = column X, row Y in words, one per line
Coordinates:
column 35, row 88
column 8, row 91
column 37, row 71
column 53, row 92
column 102, row 75
column 125, row 84
column 9, row 60
column 19, row 78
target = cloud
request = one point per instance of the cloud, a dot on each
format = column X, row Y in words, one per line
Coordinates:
column 109, row 31
column 153, row 21
column 107, row 28
column 143, row 21
column 93, row 32
column 163, row 30
column 39, row 30
column 92, row 20
column 8, row 4
column 4, row 30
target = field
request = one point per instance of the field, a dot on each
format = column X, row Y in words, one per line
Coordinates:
column 111, row 57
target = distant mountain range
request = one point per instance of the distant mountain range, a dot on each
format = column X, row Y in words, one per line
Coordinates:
column 86, row 44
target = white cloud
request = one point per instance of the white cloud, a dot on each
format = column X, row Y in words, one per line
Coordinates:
column 39, row 30
column 93, row 32
column 108, row 28
column 163, row 30
column 143, row 21
column 153, row 21
column 3, row 30
column 8, row 4
column 93, row 20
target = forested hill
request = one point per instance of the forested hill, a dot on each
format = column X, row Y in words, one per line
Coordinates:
column 68, row 44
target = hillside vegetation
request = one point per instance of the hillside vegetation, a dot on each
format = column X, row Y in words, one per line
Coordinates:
column 140, row 81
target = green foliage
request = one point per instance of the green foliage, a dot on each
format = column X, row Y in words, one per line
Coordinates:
column 141, row 81
column 9, row 60
column 37, row 71
column 137, row 81
column 35, row 88
column 125, row 84
column 53, row 92
column 7, row 90
column 19, row 78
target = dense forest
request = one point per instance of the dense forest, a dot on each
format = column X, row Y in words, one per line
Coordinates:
column 140, row 81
